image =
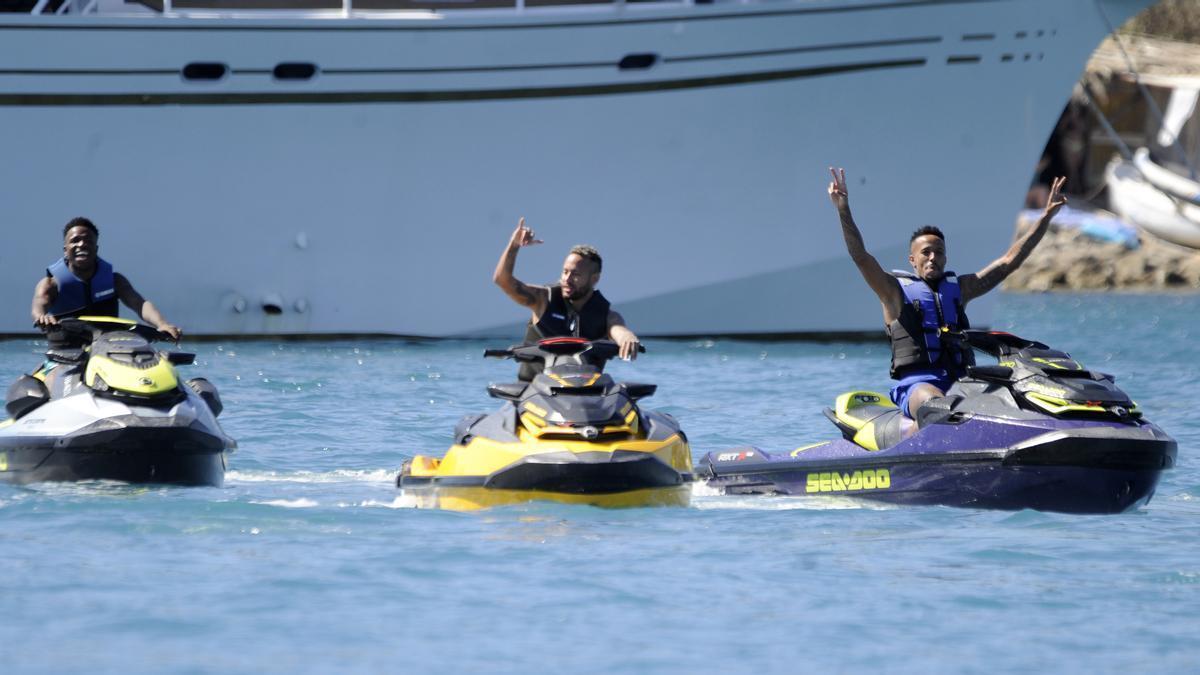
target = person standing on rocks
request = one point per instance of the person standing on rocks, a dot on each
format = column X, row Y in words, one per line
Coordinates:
column 922, row 309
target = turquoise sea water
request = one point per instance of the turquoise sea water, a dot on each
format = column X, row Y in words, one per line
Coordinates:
column 307, row 560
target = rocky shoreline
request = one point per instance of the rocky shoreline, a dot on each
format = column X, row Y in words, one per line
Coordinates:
column 1068, row 260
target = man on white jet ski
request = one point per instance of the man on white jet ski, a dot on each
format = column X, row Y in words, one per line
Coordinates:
column 82, row 283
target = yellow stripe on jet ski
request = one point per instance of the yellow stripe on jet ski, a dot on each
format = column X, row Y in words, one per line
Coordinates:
column 107, row 319
column 1057, row 363
column 799, row 450
column 1057, row 405
column 535, row 409
column 533, row 423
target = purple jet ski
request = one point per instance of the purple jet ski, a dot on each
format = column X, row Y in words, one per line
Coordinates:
column 1034, row 431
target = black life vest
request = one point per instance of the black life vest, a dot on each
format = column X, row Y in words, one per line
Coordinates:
column 561, row 320
column 919, row 340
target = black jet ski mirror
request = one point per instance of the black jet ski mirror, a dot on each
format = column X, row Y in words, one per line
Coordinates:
column 508, row 391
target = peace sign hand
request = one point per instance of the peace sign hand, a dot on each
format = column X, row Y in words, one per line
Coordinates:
column 1056, row 200
column 837, row 189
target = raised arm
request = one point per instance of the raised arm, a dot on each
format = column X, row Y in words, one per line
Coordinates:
column 526, row 295
column 625, row 338
column 143, row 307
column 975, row 285
column 44, row 295
column 884, row 285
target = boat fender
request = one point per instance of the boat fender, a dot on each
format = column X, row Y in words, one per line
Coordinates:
column 207, row 391
column 24, row 395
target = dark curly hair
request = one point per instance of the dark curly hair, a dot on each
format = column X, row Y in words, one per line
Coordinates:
column 80, row 222
column 927, row 229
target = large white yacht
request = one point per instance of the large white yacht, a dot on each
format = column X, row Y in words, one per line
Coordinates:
column 338, row 166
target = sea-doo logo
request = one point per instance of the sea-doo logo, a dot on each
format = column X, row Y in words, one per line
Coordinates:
column 146, row 382
column 589, row 432
column 871, row 479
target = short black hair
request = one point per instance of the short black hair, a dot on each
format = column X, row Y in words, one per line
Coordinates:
column 588, row 253
column 80, row 222
column 927, row 229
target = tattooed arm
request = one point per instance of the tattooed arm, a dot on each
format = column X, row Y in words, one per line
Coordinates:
column 534, row 297
column 975, row 285
column 884, row 284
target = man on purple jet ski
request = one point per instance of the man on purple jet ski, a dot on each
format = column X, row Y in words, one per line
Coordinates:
column 924, row 309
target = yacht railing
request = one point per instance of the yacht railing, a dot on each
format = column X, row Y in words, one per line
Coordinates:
column 345, row 7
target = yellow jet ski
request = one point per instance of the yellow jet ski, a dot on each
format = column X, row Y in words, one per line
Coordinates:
column 572, row 435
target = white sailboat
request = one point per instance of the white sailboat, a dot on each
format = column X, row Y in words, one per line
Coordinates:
column 1161, row 200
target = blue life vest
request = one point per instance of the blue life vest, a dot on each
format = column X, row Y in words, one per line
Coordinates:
column 76, row 297
column 920, row 343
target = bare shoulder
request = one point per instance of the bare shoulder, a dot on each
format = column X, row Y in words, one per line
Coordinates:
column 971, row 286
column 46, row 286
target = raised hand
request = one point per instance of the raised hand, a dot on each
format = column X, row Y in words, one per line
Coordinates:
column 1056, row 200
column 522, row 236
column 837, row 189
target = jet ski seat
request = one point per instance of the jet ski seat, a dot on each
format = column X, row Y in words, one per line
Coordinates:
column 868, row 419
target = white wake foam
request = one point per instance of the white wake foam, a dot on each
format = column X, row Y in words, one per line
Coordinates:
column 335, row 476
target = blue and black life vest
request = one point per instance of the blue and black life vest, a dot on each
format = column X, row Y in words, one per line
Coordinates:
column 561, row 320
column 76, row 297
column 920, row 343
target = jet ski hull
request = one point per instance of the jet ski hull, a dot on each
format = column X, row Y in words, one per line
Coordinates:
column 131, row 454
column 616, row 479
column 1078, row 468
column 463, row 498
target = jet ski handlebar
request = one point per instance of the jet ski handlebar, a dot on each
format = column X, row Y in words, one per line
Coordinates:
column 594, row 351
column 88, row 329
column 995, row 343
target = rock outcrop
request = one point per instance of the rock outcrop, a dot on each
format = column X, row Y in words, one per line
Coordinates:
column 1067, row 260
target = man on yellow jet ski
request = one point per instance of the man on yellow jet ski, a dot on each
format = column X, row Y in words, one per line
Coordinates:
column 572, row 307
column 81, row 283
column 923, row 310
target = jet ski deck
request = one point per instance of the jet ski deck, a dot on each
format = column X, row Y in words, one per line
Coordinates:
column 572, row 435
column 1035, row 431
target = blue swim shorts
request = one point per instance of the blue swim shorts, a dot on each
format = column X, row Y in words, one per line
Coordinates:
column 903, row 388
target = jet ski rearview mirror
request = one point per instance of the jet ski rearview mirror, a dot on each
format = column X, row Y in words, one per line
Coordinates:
column 638, row 390
column 181, row 358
